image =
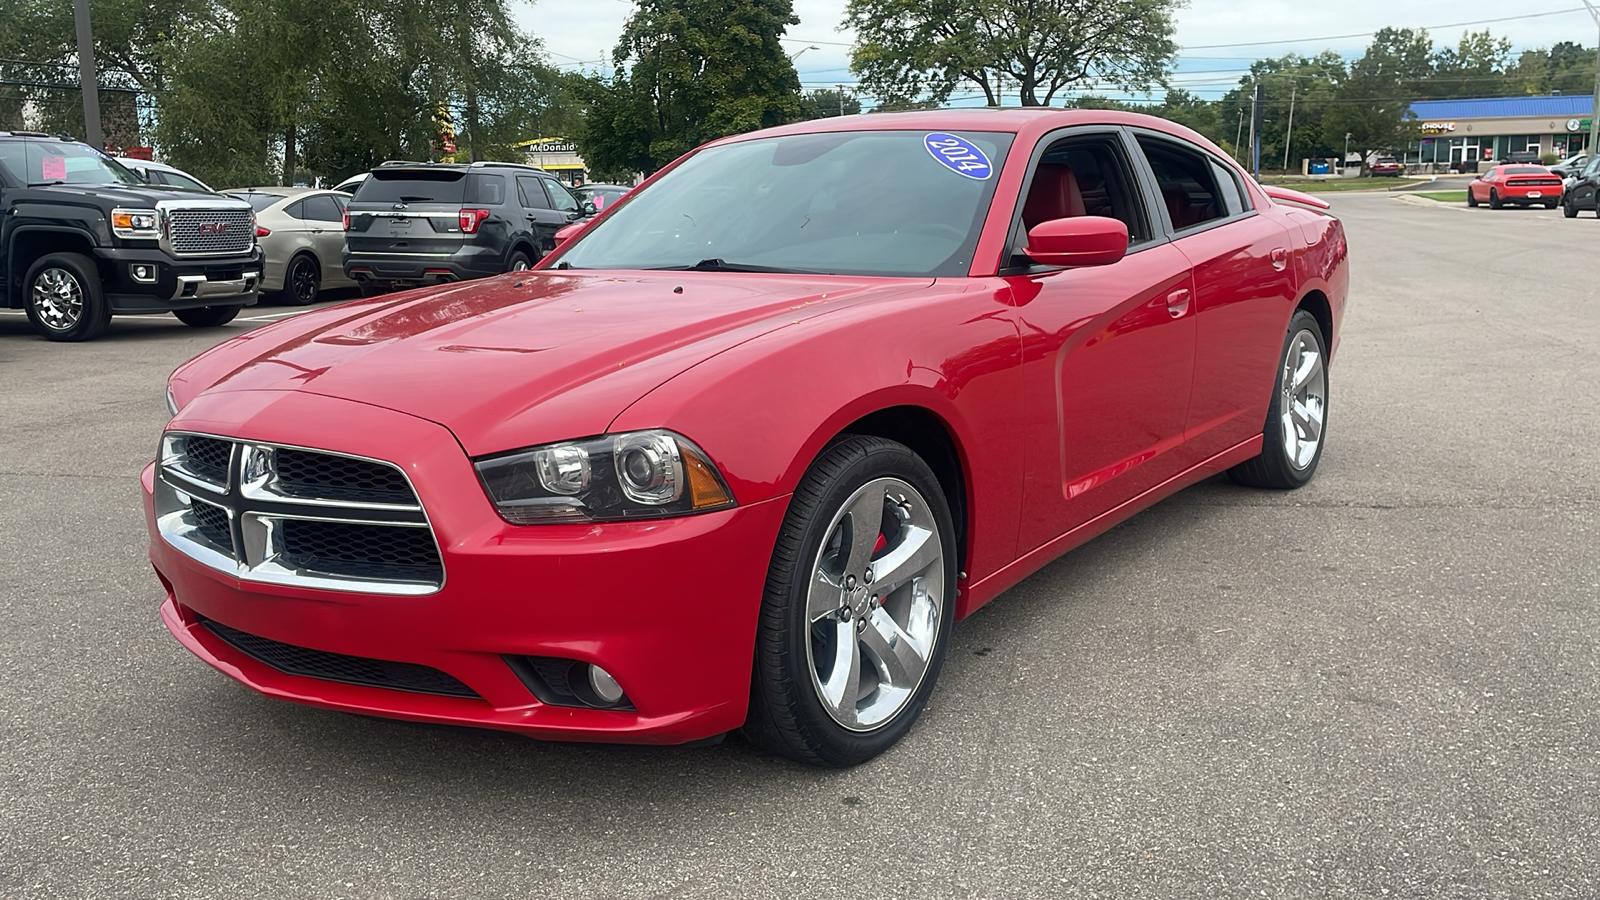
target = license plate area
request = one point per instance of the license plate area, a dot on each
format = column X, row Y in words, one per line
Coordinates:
column 399, row 226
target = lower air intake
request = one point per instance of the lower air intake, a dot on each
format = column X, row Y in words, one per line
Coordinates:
column 378, row 673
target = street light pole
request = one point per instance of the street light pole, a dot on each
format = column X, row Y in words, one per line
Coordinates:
column 1594, row 109
column 1344, row 161
column 796, row 55
column 92, row 132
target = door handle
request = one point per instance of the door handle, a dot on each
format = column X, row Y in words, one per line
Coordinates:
column 1178, row 303
column 1280, row 258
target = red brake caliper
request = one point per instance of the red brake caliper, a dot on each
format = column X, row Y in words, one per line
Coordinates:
column 882, row 543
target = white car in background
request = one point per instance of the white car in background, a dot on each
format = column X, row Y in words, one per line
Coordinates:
column 301, row 233
column 161, row 173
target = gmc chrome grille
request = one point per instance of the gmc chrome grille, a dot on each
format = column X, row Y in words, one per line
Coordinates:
column 210, row 232
column 289, row 515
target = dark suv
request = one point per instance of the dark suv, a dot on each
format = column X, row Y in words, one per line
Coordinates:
column 82, row 238
column 1582, row 191
column 430, row 223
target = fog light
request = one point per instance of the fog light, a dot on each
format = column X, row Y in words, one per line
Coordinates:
column 144, row 273
column 604, row 686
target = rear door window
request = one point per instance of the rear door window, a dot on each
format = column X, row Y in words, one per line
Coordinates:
column 321, row 208
column 1188, row 186
column 413, row 186
column 533, row 196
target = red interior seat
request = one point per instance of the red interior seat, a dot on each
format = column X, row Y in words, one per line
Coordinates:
column 1054, row 195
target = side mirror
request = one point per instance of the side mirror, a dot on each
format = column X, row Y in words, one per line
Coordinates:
column 1078, row 242
column 588, row 208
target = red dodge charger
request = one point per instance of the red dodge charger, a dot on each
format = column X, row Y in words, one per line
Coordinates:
column 741, row 453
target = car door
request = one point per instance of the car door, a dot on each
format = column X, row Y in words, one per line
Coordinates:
column 1583, row 190
column 323, row 217
column 1244, row 284
column 543, row 218
column 1108, row 351
column 564, row 202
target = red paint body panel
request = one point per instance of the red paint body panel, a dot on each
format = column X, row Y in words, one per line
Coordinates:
column 1073, row 398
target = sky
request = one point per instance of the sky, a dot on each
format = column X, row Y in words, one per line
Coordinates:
column 581, row 35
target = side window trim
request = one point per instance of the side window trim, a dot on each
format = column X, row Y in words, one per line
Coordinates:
column 1148, row 172
column 1017, row 238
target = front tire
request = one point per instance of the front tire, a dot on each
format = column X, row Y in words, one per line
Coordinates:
column 1472, row 199
column 207, row 316
column 64, row 299
column 1293, row 437
column 1568, row 210
column 859, row 603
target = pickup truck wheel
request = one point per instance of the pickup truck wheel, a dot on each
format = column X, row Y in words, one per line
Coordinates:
column 207, row 316
column 303, row 282
column 64, row 299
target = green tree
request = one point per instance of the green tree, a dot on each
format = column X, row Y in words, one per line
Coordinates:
column 1477, row 67
column 826, row 103
column 911, row 49
column 1374, row 103
column 690, row 71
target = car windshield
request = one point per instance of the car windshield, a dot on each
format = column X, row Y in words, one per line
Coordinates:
column 62, row 162
column 858, row 203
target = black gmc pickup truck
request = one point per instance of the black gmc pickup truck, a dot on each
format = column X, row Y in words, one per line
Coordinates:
column 82, row 238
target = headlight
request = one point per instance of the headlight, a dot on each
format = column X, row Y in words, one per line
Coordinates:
column 136, row 223
column 637, row 475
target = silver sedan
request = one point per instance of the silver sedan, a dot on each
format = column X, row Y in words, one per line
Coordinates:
column 301, row 233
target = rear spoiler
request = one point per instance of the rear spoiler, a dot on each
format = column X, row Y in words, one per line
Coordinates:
column 1291, row 196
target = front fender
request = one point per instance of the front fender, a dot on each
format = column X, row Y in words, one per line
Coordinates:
column 765, row 410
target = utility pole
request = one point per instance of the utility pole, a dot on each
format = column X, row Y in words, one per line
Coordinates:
column 1344, row 161
column 1594, row 110
column 841, row 100
column 1238, row 150
column 1288, row 134
column 93, row 134
column 1257, row 101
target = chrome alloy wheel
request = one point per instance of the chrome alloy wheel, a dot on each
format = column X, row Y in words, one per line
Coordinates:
column 521, row 265
column 57, row 299
column 1304, row 389
column 874, row 604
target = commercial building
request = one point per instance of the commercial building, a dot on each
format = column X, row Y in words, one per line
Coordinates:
column 1457, row 132
column 556, row 155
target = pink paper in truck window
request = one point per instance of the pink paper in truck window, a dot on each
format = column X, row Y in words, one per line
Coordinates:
column 54, row 169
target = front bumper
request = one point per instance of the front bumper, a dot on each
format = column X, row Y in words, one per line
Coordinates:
column 668, row 607
column 177, row 283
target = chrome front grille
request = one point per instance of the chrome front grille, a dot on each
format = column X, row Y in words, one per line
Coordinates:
column 210, row 232
column 290, row 515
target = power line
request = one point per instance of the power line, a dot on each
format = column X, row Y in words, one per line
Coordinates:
column 1337, row 37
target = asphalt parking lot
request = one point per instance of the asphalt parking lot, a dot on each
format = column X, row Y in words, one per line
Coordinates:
column 1385, row 684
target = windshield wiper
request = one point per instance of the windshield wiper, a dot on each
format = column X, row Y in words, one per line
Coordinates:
column 718, row 264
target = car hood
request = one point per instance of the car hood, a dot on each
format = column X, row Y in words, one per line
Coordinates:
column 519, row 360
column 128, row 195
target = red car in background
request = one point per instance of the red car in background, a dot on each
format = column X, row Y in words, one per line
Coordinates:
column 1386, row 165
column 1522, row 185
column 741, row 453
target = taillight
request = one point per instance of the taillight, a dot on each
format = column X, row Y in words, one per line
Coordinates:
column 346, row 216
column 471, row 218
column 262, row 232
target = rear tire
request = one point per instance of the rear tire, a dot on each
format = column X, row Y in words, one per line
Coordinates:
column 64, row 299
column 1494, row 200
column 302, row 281
column 1551, row 204
column 518, row 262
column 1297, row 419
column 207, row 316
column 846, row 656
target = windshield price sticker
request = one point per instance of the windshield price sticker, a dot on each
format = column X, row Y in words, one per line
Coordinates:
column 959, row 155
column 53, row 168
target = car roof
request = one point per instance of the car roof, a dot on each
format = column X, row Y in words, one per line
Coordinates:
column 280, row 190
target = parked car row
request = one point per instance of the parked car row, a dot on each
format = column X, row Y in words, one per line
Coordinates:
column 1526, row 185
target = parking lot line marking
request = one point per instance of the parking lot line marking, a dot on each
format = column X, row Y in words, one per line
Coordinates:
column 270, row 316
